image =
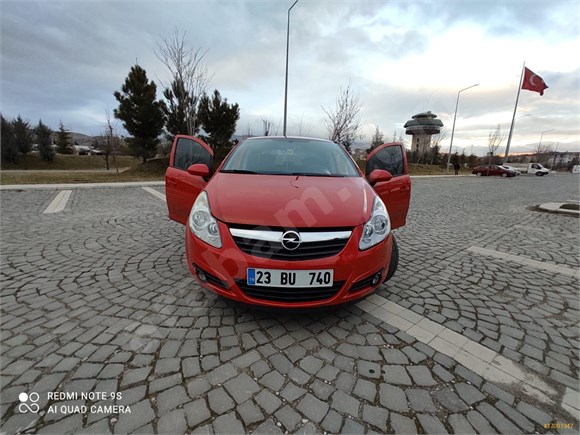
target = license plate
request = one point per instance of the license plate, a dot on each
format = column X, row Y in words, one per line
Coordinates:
column 290, row 278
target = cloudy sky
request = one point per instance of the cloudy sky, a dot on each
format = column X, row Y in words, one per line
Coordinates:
column 62, row 60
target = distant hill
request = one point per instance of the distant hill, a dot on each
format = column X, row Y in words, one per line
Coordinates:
column 78, row 138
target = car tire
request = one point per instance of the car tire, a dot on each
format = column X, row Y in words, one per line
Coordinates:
column 394, row 260
column 504, row 175
column 478, row 174
column 539, row 174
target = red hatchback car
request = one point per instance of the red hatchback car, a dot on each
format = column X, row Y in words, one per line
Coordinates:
column 288, row 221
column 493, row 170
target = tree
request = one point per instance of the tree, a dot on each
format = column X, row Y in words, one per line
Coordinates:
column 472, row 161
column 543, row 152
column 44, row 141
column 8, row 141
column 64, row 143
column 343, row 123
column 142, row 115
column 109, row 143
column 218, row 119
column 495, row 138
column 189, row 80
column 22, row 135
column 377, row 140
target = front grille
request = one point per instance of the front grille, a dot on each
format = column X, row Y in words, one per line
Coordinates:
column 290, row 294
column 267, row 244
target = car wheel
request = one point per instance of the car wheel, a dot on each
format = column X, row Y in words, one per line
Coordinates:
column 504, row 175
column 539, row 174
column 478, row 174
column 394, row 260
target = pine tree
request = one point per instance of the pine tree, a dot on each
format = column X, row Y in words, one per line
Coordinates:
column 22, row 135
column 180, row 110
column 44, row 141
column 218, row 119
column 64, row 143
column 141, row 114
column 8, row 142
column 377, row 140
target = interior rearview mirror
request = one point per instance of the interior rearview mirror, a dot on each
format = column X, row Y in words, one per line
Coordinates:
column 379, row 175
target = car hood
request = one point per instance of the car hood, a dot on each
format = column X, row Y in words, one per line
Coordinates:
column 290, row 201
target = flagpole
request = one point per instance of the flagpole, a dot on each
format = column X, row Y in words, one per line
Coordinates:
column 507, row 148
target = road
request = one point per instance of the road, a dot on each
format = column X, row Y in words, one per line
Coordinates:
column 477, row 331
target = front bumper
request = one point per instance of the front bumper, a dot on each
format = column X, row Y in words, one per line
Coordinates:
column 223, row 271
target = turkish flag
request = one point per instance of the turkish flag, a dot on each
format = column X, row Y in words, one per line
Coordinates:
column 533, row 82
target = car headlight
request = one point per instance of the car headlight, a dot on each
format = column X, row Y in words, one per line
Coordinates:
column 377, row 228
column 202, row 223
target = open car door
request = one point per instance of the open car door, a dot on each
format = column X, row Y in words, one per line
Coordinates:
column 395, row 193
column 182, row 188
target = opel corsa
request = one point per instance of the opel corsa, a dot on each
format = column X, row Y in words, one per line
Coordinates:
column 288, row 221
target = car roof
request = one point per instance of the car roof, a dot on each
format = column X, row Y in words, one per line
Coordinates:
column 288, row 137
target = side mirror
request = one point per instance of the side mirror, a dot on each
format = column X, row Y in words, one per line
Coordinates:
column 199, row 169
column 379, row 175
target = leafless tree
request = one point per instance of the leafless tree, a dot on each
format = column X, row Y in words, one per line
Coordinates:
column 303, row 128
column 435, row 149
column 189, row 79
column 266, row 125
column 344, row 122
column 495, row 138
column 543, row 152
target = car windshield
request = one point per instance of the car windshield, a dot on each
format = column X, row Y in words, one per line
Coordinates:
column 284, row 156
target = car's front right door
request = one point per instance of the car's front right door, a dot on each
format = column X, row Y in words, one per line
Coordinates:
column 396, row 193
column 182, row 188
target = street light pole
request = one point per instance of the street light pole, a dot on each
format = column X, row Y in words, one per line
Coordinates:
column 453, row 129
column 542, row 136
column 286, row 82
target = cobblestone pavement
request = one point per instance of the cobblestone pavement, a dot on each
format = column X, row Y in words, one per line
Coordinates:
column 98, row 298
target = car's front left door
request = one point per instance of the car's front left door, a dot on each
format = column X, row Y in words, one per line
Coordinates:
column 396, row 193
column 182, row 188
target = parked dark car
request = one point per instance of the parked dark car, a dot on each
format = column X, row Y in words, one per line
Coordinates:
column 493, row 170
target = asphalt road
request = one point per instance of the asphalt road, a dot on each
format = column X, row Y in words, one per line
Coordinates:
column 477, row 332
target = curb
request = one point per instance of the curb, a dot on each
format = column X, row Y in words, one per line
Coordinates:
column 80, row 185
column 555, row 208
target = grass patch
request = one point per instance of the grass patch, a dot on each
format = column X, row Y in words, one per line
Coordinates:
column 63, row 162
column 153, row 170
column 571, row 207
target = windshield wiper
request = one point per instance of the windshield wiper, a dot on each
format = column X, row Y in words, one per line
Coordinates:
column 311, row 174
column 238, row 171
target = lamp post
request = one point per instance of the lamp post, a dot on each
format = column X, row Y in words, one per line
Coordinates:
column 542, row 136
column 453, row 129
column 286, row 82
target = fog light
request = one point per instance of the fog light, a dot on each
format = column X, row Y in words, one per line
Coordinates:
column 201, row 276
column 376, row 279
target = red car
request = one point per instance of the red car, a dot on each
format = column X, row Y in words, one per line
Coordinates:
column 493, row 170
column 288, row 222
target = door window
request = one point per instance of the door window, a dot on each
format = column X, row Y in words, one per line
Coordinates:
column 189, row 152
column 389, row 158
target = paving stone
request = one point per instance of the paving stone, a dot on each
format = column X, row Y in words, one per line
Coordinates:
column 402, row 424
column 365, row 390
column 496, row 418
column 460, row 424
column 345, row 382
column 468, row 393
column 198, row 386
column 242, row 388
column 431, row 424
column 526, row 425
column 172, row 423
column 533, row 413
column 420, row 400
column 313, row 408
column 66, row 425
column 421, row 376
column 479, row 423
column 141, row 414
column 450, row 400
column 393, row 398
column 164, row 383
column 288, row 417
column 268, row 428
column 395, row 374
column 228, row 424
column 468, row 375
column 219, row 401
column 273, row 380
column 298, row 376
column 352, row 427
column 376, row 417
column 196, row 412
column 172, row 398
column 332, row 422
column 221, row 374
column 345, row 403
column 311, row 364
column 268, row 402
column 328, row 373
column 133, row 376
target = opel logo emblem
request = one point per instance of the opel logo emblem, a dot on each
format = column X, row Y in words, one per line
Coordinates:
column 291, row 240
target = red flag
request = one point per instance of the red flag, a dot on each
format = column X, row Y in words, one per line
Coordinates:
column 533, row 82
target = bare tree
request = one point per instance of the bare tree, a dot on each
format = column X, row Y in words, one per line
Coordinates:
column 543, row 152
column 304, row 128
column 344, row 122
column 108, row 143
column 435, row 149
column 248, row 132
column 189, row 81
column 266, row 125
column 495, row 138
